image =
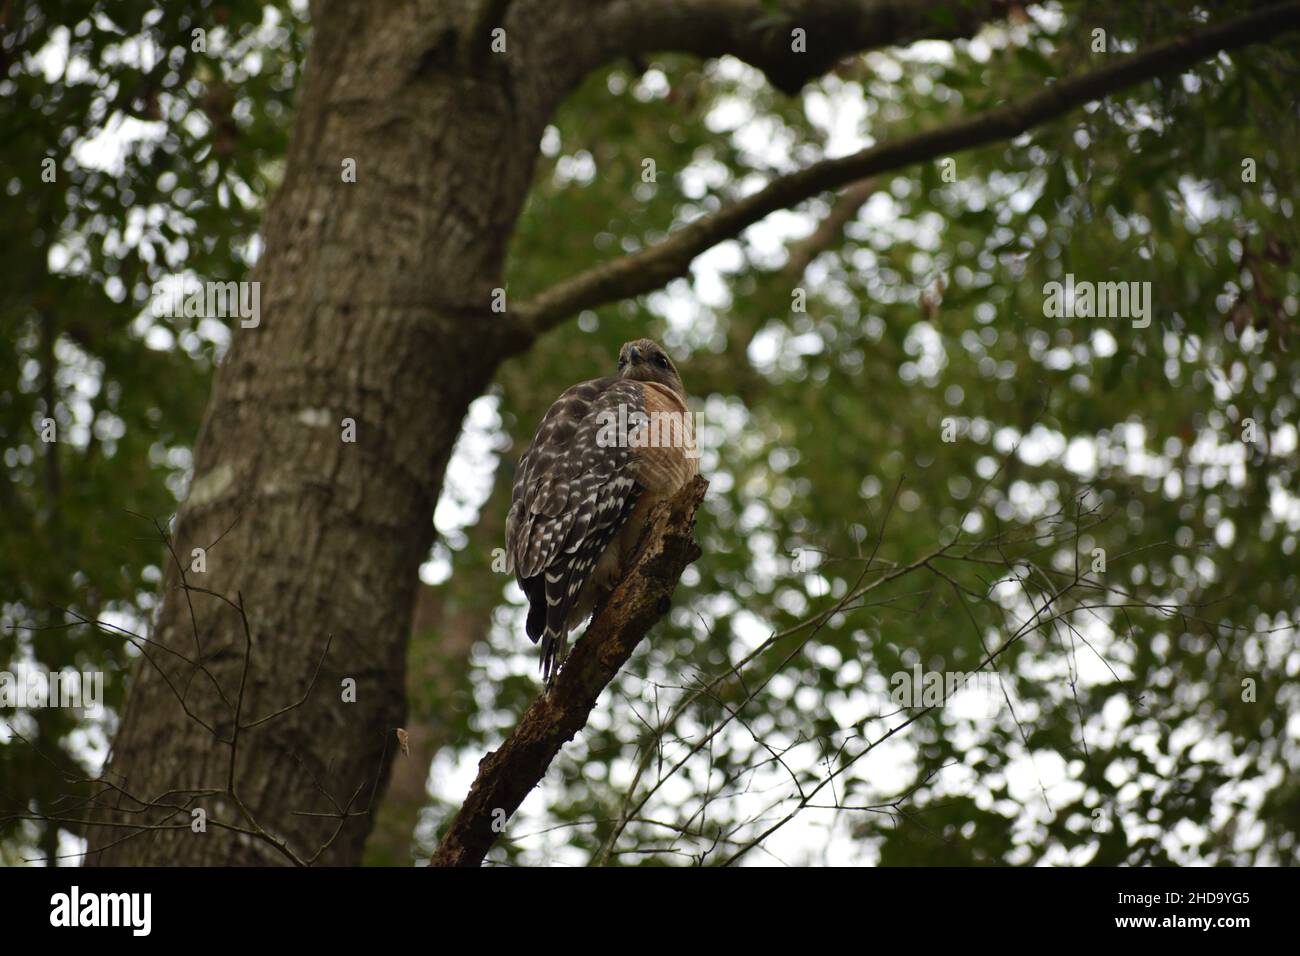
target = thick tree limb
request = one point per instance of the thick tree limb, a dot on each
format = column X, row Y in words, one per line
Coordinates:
column 652, row 268
column 761, row 33
column 507, row 775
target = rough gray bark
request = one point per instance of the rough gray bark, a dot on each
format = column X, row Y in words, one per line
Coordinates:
column 375, row 307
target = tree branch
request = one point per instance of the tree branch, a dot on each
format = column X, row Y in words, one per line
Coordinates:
column 507, row 775
column 761, row 33
column 830, row 230
column 651, row 268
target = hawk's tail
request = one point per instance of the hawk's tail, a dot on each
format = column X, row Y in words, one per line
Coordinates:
column 553, row 637
column 552, row 594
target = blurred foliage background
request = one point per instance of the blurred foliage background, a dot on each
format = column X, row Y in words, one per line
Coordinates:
column 1151, row 717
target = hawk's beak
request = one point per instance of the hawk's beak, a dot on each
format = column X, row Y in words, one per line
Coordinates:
column 634, row 354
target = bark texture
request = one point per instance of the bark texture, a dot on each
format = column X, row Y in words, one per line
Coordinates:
column 375, row 303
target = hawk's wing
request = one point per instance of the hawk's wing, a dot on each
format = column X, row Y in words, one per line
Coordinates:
column 574, row 488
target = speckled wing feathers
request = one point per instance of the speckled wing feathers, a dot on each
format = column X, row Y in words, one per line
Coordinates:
column 573, row 490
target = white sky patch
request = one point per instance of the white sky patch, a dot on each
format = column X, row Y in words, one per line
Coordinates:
column 467, row 483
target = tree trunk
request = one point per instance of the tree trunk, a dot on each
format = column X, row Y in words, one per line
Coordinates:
column 375, row 299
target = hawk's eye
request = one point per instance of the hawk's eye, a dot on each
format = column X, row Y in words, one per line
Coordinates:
column 661, row 360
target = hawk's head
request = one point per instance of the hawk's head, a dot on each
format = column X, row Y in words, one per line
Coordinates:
column 644, row 361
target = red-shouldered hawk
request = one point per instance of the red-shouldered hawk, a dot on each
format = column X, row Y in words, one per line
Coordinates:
column 606, row 452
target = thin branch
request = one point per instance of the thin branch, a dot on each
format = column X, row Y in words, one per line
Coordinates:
column 104, row 813
column 830, row 230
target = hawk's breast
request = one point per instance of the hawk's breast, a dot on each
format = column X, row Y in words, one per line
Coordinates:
column 666, row 454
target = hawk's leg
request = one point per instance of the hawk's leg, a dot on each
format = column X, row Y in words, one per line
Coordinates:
column 553, row 656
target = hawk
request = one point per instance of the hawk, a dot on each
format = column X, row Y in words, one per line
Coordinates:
column 604, row 455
